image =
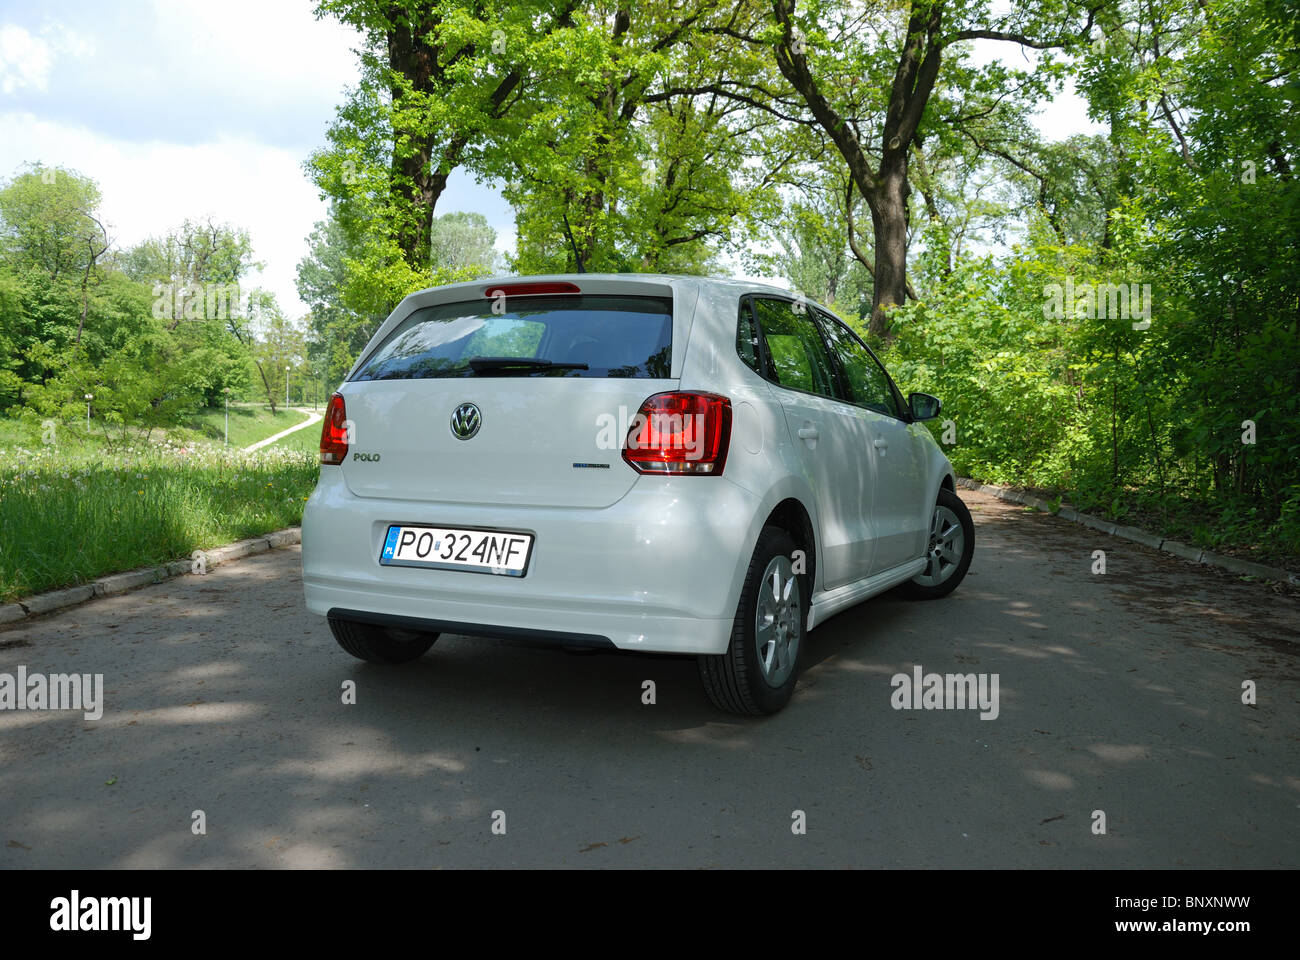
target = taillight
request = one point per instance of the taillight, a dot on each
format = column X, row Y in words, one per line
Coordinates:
column 680, row 433
column 334, row 432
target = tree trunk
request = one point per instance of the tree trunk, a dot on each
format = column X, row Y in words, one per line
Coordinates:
column 411, row 182
column 270, row 394
column 889, row 224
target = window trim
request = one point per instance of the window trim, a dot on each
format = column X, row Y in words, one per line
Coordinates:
column 760, row 344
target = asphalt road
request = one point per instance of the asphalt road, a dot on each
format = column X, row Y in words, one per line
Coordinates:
column 1119, row 693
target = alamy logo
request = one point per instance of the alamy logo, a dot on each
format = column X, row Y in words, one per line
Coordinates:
column 658, row 431
column 57, row 691
column 76, row 913
column 198, row 301
column 1100, row 301
column 948, row 691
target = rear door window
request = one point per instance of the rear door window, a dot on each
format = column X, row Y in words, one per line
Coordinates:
column 797, row 355
column 572, row 336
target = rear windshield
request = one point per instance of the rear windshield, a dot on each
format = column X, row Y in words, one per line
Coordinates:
column 573, row 336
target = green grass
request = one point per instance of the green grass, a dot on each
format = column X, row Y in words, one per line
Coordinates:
column 249, row 423
column 71, row 513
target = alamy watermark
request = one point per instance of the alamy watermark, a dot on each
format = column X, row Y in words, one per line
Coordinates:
column 198, row 301
column 658, row 431
column 75, row 913
column 1098, row 301
column 950, row 691
column 56, row 691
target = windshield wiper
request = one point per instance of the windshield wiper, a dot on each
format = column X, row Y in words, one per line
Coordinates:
column 491, row 365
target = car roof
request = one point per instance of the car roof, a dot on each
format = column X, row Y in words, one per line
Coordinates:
column 577, row 278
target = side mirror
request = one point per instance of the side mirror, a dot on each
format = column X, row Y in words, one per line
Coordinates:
column 923, row 406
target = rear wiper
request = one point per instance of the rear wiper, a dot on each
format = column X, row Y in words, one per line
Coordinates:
column 530, row 364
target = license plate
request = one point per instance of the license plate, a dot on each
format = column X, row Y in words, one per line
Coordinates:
column 501, row 552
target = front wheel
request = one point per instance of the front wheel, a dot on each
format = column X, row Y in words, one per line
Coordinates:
column 949, row 548
column 757, row 673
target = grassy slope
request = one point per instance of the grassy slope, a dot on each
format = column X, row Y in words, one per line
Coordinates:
column 248, row 423
column 80, row 508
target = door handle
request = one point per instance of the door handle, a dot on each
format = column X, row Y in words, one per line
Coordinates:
column 808, row 432
column 881, row 445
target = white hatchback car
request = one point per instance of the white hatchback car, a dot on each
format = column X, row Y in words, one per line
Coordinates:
column 640, row 462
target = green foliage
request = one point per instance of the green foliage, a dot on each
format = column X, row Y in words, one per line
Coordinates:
column 464, row 243
column 1003, row 372
column 151, row 333
column 1186, row 417
column 47, row 221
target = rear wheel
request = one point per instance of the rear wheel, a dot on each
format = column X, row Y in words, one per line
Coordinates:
column 948, row 552
column 376, row 644
column 757, row 673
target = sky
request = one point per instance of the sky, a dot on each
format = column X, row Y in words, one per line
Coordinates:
column 183, row 109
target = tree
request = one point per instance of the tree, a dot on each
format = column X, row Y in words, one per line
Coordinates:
column 867, row 91
column 582, row 111
column 278, row 343
column 194, row 274
column 49, row 220
column 464, row 242
column 813, row 242
column 337, row 332
column 436, row 78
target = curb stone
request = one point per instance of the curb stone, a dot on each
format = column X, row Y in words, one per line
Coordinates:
column 58, row 599
column 122, row 582
column 1174, row 547
column 118, row 583
column 1180, row 549
column 1244, row 567
column 1139, row 536
column 236, row 550
column 1096, row 523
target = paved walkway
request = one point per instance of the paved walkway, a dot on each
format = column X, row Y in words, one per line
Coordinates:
column 312, row 417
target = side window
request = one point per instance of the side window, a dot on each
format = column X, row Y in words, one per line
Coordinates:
column 747, row 338
column 798, row 355
column 867, row 383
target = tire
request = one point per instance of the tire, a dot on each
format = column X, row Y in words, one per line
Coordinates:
column 949, row 550
column 757, row 674
column 376, row 644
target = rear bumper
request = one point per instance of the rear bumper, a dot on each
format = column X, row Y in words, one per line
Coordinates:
column 659, row 571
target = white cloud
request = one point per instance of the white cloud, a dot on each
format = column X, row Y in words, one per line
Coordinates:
column 25, row 60
column 257, row 50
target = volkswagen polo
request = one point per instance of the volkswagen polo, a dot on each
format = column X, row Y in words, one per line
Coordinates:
column 635, row 462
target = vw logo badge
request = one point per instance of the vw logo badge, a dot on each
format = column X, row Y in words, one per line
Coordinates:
column 465, row 421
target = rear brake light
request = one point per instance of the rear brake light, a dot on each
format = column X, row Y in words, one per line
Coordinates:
column 529, row 289
column 334, row 432
column 680, row 432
